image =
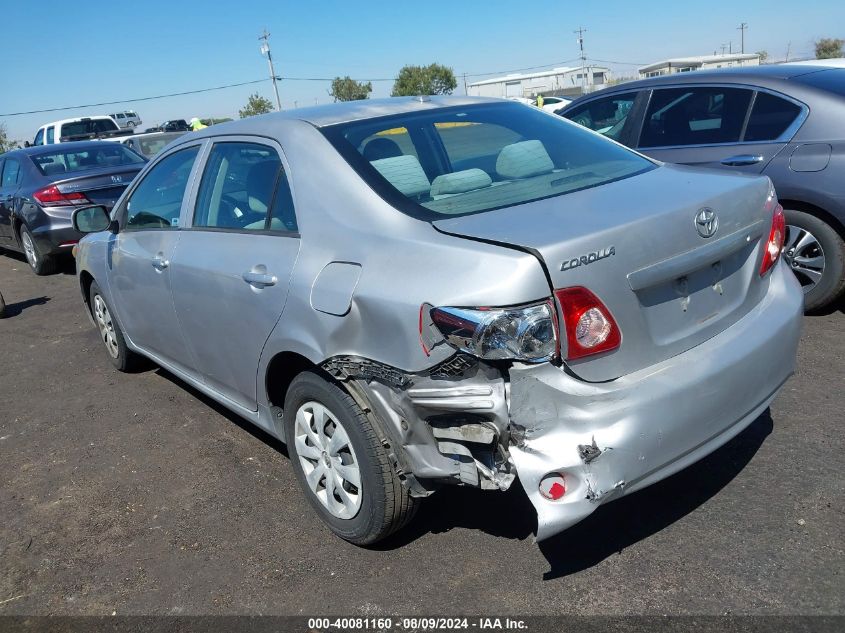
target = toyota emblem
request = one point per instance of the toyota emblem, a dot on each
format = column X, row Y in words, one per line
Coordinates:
column 706, row 222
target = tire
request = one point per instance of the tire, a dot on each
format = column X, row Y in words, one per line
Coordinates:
column 110, row 333
column 382, row 505
column 2, row 306
column 816, row 254
column 40, row 263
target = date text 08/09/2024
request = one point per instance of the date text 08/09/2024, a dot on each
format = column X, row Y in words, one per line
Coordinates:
column 416, row 624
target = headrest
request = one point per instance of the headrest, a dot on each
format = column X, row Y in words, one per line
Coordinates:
column 524, row 159
column 405, row 173
column 379, row 148
column 50, row 169
column 460, row 182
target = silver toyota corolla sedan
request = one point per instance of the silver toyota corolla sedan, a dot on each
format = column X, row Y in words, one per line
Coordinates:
column 417, row 292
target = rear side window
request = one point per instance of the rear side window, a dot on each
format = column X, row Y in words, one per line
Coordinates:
column 11, row 173
column 157, row 200
column 244, row 188
column 770, row 116
column 88, row 127
column 471, row 159
column 695, row 116
column 51, row 134
column 606, row 116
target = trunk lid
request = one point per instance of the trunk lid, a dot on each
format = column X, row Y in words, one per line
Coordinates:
column 635, row 243
column 100, row 186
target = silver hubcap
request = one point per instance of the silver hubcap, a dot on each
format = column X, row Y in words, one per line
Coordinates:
column 328, row 460
column 104, row 322
column 29, row 249
column 804, row 255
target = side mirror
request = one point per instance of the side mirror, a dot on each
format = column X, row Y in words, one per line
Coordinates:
column 91, row 219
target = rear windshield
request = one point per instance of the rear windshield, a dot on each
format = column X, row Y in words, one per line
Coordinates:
column 88, row 127
column 463, row 160
column 76, row 160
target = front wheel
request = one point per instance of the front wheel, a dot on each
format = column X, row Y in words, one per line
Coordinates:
column 816, row 254
column 110, row 333
column 341, row 463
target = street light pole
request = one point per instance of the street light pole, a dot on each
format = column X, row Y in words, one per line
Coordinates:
column 265, row 50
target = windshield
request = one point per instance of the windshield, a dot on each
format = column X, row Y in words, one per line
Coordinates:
column 75, row 160
column 470, row 159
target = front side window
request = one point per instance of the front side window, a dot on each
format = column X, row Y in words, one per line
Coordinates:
column 695, row 116
column 157, row 200
column 244, row 188
column 606, row 116
column 11, row 173
column 39, row 137
column 770, row 117
column 478, row 158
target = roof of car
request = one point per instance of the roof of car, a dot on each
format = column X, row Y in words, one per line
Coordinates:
column 745, row 74
column 56, row 147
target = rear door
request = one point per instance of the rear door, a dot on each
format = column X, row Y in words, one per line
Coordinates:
column 10, row 180
column 725, row 127
column 140, row 260
column 232, row 268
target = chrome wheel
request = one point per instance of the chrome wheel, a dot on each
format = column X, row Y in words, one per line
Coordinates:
column 29, row 249
column 106, row 326
column 328, row 460
column 804, row 255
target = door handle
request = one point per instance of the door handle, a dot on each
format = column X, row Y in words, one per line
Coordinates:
column 259, row 277
column 742, row 159
column 160, row 263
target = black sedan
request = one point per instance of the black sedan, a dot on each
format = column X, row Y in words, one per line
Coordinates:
column 41, row 186
column 783, row 121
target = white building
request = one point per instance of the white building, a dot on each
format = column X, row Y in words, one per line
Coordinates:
column 557, row 81
column 702, row 62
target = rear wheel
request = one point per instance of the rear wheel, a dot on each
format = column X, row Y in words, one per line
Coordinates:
column 816, row 254
column 110, row 333
column 341, row 463
column 41, row 264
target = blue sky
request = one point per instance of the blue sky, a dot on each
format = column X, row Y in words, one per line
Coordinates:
column 93, row 51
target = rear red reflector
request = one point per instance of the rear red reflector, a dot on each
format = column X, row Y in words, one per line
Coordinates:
column 588, row 324
column 553, row 486
column 774, row 245
column 52, row 197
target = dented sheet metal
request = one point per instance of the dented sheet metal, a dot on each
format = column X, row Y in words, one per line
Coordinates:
column 608, row 439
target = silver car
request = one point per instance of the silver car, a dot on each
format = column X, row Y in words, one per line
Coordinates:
column 418, row 292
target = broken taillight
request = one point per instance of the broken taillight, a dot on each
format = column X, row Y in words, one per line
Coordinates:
column 774, row 245
column 587, row 323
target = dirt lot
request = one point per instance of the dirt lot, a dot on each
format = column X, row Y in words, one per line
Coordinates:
column 134, row 494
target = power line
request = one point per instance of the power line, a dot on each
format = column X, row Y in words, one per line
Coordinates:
column 104, row 103
column 516, row 70
column 610, row 61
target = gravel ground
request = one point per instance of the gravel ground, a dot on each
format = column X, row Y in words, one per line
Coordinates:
column 134, row 494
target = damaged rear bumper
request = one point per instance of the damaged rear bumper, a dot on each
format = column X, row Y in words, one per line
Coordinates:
column 608, row 439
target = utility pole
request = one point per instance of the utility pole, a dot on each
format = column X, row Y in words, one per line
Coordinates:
column 741, row 28
column 581, row 30
column 788, row 47
column 465, row 85
column 723, row 49
column 265, row 50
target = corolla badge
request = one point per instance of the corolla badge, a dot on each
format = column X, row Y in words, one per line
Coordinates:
column 117, row 178
column 589, row 258
column 706, row 222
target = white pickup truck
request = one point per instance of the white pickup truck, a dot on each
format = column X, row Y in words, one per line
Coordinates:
column 79, row 129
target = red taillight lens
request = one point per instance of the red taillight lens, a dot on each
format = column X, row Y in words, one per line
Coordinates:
column 774, row 245
column 588, row 324
column 52, row 197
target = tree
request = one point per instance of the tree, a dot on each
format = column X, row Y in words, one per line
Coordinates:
column 829, row 47
column 6, row 143
column 764, row 56
column 347, row 89
column 256, row 104
column 433, row 79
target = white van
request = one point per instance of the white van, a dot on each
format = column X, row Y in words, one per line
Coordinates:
column 81, row 128
column 126, row 119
